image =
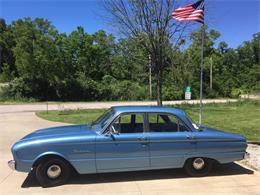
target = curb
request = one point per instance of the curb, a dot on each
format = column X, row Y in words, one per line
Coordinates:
column 254, row 142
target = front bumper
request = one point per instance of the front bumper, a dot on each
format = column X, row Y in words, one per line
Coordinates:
column 246, row 156
column 11, row 164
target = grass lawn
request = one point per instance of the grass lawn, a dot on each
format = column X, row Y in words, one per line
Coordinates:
column 72, row 116
column 241, row 117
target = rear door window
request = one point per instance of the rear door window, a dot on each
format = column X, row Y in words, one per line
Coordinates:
column 162, row 122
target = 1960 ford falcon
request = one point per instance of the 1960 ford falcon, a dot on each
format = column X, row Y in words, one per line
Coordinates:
column 125, row 138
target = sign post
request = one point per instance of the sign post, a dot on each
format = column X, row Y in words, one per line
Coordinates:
column 187, row 93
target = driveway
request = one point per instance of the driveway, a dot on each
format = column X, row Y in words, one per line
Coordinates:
column 228, row 179
column 34, row 107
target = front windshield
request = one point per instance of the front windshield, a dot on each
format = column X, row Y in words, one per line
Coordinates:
column 103, row 118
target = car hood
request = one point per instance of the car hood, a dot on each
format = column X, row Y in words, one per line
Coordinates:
column 60, row 132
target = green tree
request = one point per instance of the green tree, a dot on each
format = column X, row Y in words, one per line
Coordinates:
column 44, row 64
column 35, row 56
column 153, row 21
column 7, row 60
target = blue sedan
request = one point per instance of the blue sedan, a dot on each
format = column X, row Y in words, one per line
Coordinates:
column 125, row 138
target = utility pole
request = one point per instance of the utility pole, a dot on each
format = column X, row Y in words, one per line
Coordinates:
column 150, row 76
column 211, row 62
column 201, row 71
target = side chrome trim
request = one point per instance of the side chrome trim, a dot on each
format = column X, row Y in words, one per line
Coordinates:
column 76, row 151
column 148, row 140
column 168, row 141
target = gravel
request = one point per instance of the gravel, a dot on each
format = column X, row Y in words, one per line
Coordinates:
column 254, row 156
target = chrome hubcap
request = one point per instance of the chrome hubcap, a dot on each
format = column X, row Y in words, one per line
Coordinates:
column 54, row 171
column 198, row 163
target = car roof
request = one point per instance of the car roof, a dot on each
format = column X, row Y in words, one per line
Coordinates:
column 123, row 109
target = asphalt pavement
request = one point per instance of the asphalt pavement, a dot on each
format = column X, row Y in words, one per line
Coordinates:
column 44, row 106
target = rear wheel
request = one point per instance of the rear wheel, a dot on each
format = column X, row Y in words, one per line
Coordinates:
column 198, row 167
column 52, row 172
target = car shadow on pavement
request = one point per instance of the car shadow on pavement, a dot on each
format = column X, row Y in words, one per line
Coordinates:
column 218, row 170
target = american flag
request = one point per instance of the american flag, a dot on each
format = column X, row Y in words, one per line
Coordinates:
column 190, row 12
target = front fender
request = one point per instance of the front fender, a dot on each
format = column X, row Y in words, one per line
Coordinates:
column 27, row 165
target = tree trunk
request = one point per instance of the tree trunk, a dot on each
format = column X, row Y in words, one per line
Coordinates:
column 159, row 87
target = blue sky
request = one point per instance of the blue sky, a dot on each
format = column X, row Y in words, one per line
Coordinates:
column 236, row 20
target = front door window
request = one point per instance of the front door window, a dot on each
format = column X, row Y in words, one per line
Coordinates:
column 129, row 123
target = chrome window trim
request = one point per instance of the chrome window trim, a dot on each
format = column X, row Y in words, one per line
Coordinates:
column 146, row 120
column 188, row 128
column 124, row 113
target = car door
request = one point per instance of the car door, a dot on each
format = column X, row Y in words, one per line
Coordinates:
column 126, row 148
column 170, row 140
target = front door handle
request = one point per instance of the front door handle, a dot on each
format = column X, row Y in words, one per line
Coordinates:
column 142, row 138
column 143, row 141
column 190, row 137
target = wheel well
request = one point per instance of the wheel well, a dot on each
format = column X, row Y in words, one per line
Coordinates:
column 49, row 156
column 211, row 159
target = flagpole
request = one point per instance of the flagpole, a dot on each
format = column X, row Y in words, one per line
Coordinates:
column 201, row 72
column 186, row 13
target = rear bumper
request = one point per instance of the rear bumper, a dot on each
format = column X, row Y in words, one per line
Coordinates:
column 12, row 164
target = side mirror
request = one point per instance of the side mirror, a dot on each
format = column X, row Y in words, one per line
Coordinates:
column 113, row 130
column 108, row 133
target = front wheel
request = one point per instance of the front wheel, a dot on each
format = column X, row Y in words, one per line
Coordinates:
column 52, row 172
column 198, row 167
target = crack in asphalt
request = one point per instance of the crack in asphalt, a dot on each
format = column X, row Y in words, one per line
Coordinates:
column 6, row 177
